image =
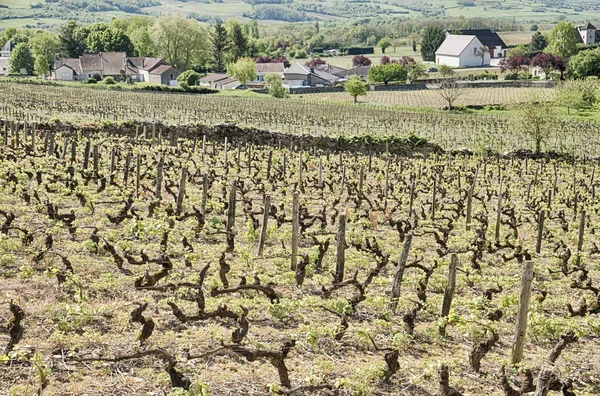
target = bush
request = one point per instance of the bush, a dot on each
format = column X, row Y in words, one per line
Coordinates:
column 189, row 77
column 97, row 77
column 109, row 81
column 89, row 81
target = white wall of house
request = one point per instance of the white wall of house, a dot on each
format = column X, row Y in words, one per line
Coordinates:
column 452, row 61
column 467, row 58
column 64, row 73
column 588, row 36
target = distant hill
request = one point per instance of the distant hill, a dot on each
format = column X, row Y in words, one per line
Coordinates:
column 41, row 13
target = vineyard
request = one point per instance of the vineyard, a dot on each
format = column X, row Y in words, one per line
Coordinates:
column 149, row 258
column 432, row 98
column 304, row 116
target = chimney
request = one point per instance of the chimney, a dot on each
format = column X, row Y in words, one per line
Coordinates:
column 312, row 69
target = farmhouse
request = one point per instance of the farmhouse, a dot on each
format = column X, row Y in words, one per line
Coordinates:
column 219, row 81
column 4, row 55
column 471, row 48
column 360, row 71
column 587, row 34
column 116, row 65
column 462, row 51
column 262, row 69
column 299, row 75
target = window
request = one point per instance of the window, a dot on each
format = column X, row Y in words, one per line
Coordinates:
column 65, row 75
column 475, row 51
column 171, row 77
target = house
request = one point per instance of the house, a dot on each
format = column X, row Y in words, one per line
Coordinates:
column 4, row 55
column 462, row 51
column 497, row 47
column 262, row 69
column 587, row 34
column 336, row 71
column 219, row 81
column 116, row 65
column 360, row 71
column 299, row 75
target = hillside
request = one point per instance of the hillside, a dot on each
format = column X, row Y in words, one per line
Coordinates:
column 44, row 13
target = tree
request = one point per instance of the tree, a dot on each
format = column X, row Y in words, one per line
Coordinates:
column 386, row 73
column 41, row 66
column 514, row 64
column 576, row 94
column 537, row 121
column 414, row 45
column 446, row 71
column 189, row 78
column 360, row 60
column 562, row 41
column 72, row 39
column 534, row 28
column 431, row 39
column 549, row 62
column 384, row 43
column 585, row 63
column 44, row 44
column 103, row 38
column 219, row 46
column 243, row 70
column 238, row 40
column 451, row 89
column 274, row 85
column 138, row 29
column 538, row 43
column 7, row 34
column 21, row 59
column 480, row 53
column 181, row 42
column 385, row 60
column 405, row 60
column 355, row 87
column 414, row 71
column 315, row 62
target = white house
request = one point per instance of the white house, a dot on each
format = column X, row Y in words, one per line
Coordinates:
column 4, row 55
column 588, row 34
column 462, row 51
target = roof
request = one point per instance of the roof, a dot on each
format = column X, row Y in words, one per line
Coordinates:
column 143, row 63
column 486, row 37
column 454, row 45
column 265, row 68
column 298, row 68
column 337, row 71
column 325, row 75
column 8, row 47
column 110, row 63
column 360, row 71
column 162, row 69
column 587, row 26
column 72, row 63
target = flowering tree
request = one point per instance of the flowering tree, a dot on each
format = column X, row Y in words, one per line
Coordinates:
column 385, row 60
column 549, row 62
column 360, row 60
column 279, row 59
column 514, row 64
column 315, row 62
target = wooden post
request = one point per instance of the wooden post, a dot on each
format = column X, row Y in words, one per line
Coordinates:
column 361, row 179
column 263, row 229
column 499, row 212
column 521, row 325
column 469, row 207
column 138, row 167
column 433, row 198
column 126, row 170
column 86, row 155
column 203, row 145
column 284, row 170
column 343, row 184
column 449, row 292
column 111, row 177
column 63, row 154
column 411, row 198
column 159, row 177
column 400, row 272
column 300, row 169
column 387, row 177
column 204, row 194
column 295, row 228
column 73, row 151
column 320, row 177
column 181, row 192
column 231, row 214
column 540, row 230
column 95, row 160
column 33, row 139
column 580, row 237
column 269, row 163
column 341, row 249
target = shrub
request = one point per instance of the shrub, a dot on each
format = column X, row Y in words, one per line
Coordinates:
column 109, row 81
column 189, row 77
column 97, row 77
column 89, row 81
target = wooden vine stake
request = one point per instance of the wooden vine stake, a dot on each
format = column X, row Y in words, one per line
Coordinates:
column 499, row 212
column 400, row 272
column 521, row 325
column 204, row 194
column 580, row 237
column 449, row 292
column 126, row 170
column 295, row 228
column 540, row 231
column 181, row 192
column 138, row 167
column 95, row 160
column 341, row 249
column 231, row 215
column 269, row 164
column 263, row 229
column 159, row 177
column 111, row 176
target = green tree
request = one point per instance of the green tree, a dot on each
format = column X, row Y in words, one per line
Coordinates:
column 431, row 39
column 538, row 44
column 585, row 63
column 534, row 28
column 384, row 43
column 238, row 40
column 446, row 71
column 180, row 41
column 386, row 73
column 104, row 38
column 537, row 121
column 189, row 77
column 254, row 30
column 576, row 94
column 44, row 44
column 480, row 53
column 138, row 29
column 414, row 71
column 72, row 39
column 274, row 85
column 219, row 46
column 562, row 41
column 243, row 70
column 21, row 59
column 414, row 45
column 7, row 34
column 355, row 87
column 41, row 66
